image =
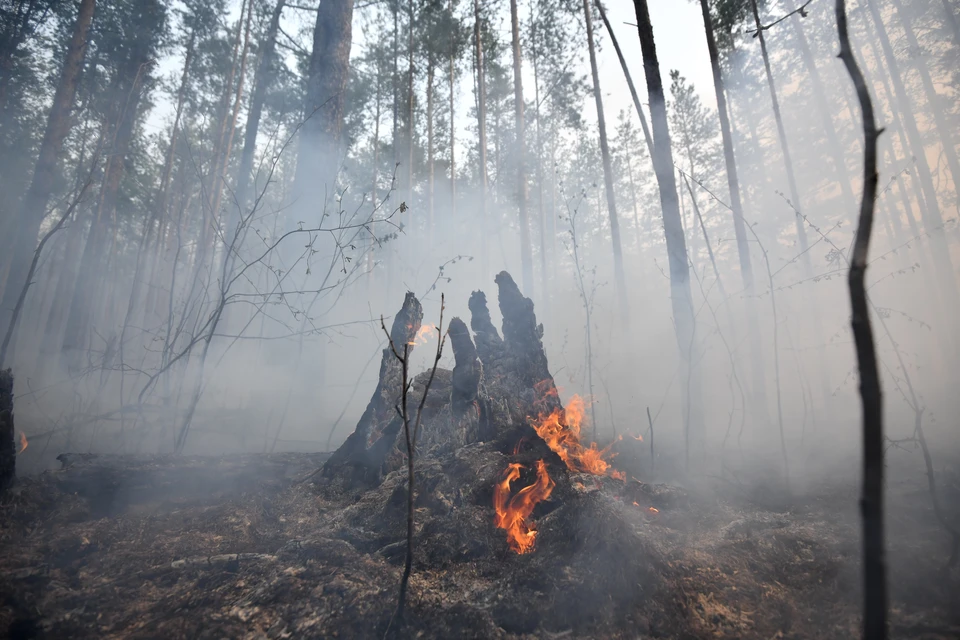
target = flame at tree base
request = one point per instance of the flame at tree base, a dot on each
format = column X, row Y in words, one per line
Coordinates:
column 561, row 430
column 513, row 514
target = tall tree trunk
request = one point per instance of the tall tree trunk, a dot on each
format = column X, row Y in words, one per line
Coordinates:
column 933, row 220
column 526, row 250
column 453, row 133
column 820, row 96
column 626, row 74
column 681, row 296
column 619, row 274
column 784, row 145
column 320, row 135
column 411, row 123
column 35, row 201
column 481, row 137
column 758, row 385
column 264, row 76
column 933, row 98
column 535, row 51
column 91, row 270
column 430, row 167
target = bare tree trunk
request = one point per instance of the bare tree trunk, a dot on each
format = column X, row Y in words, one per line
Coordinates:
column 945, row 136
column 526, row 248
column 626, row 74
column 320, row 135
column 933, row 220
column 820, row 96
column 35, row 201
column 681, row 296
column 545, row 297
column 784, row 145
column 619, row 274
column 430, row 167
column 481, row 138
column 85, row 295
column 871, row 501
column 410, row 104
column 453, row 133
column 262, row 80
column 743, row 248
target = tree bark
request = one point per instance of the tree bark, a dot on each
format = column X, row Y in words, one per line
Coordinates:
column 481, row 138
column 681, row 296
column 8, row 451
column 320, row 135
column 626, row 74
column 453, row 133
column 33, row 209
column 619, row 274
column 871, row 501
column 526, row 250
column 264, row 76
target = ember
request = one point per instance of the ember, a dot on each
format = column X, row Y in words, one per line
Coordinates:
column 513, row 514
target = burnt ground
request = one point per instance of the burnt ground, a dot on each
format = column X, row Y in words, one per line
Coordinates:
column 243, row 547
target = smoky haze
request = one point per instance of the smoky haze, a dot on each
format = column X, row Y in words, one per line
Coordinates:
column 268, row 338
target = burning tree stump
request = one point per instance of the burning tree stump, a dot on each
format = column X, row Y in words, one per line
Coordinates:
column 494, row 386
column 8, row 451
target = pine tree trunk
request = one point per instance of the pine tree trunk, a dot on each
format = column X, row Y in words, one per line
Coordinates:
column 85, row 295
column 545, row 297
column 430, row 167
column 453, row 133
column 317, row 163
column 820, row 96
column 784, row 146
column 945, row 136
column 933, row 220
column 758, row 383
column 626, row 74
column 481, row 138
column 681, row 296
column 411, row 123
column 261, row 82
column 619, row 274
column 35, row 201
column 526, row 247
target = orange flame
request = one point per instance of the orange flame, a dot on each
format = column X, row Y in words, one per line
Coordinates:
column 653, row 510
column 561, row 431
column 513, row 514
column 23, row 443
column 638, row 438
column 423, row 335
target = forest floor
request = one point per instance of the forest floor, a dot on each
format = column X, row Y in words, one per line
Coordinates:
column 243, row 547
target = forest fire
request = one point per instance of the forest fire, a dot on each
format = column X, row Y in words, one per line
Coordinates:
column 560, row 429
column 513, row 513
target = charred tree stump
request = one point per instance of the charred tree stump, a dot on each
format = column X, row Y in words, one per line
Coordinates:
column 495, row 386
column 8, row 450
